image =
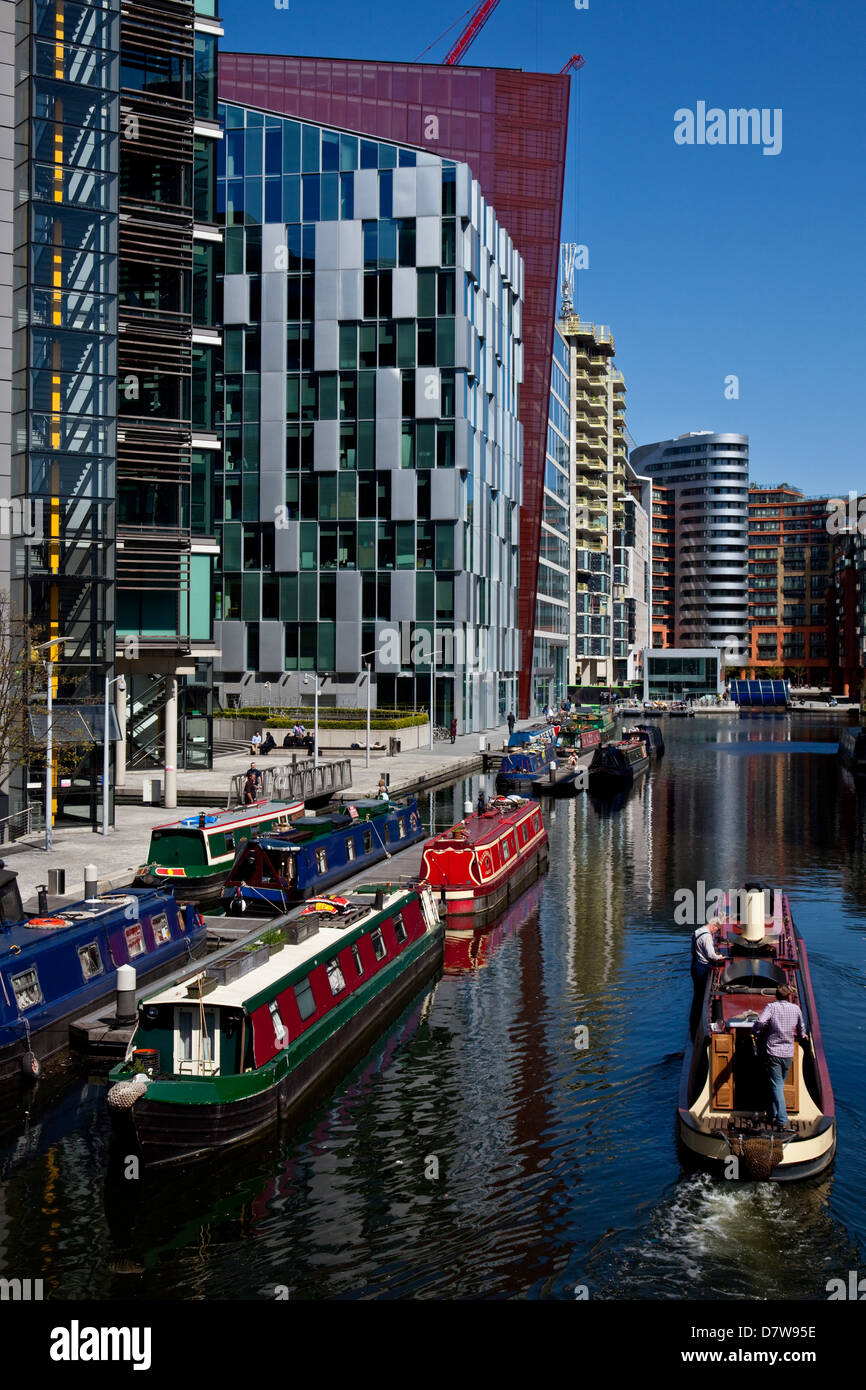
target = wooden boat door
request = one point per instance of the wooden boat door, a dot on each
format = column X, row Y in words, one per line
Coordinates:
column 196, row 1049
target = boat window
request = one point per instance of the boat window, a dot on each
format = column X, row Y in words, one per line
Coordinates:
column 304, row 996
column 230, row 839
column 506, row 851
column 350, row 848
column 281, row 1036
column 379, row 947
column 399, row 928
column 190, row 1043
column 336, row 978
column 26, row 989
column 321, row 860
column 135, row 940
column 356, row 957
column 91, row 961
column 184, row 1035
column 161, row 929
column 368, row 841
column 401, row 825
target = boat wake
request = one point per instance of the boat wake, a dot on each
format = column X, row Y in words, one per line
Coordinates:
column 717, row 1240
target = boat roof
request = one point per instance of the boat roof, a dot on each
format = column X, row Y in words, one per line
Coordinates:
column 80, row 914
column 279, row 965
column 484, row 829
column 314, row 827
column 231, row 816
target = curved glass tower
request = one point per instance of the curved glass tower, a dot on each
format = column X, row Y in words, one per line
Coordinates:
column 707, row 479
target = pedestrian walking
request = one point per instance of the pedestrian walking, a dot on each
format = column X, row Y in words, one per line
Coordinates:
column 453, row 729
column 511, row 722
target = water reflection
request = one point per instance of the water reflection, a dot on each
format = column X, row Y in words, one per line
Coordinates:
column 480, row 1149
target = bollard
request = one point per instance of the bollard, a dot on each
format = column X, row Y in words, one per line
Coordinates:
column 125, row 1009
column 91, row 881
column 57, row 882
column 467, row 807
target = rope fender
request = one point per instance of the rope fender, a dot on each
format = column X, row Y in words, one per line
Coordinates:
column 124, row 1094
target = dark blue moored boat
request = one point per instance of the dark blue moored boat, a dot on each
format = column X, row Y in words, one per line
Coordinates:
column 852, row 750
column 523, row 766
column 57, row 966
column 615, row 766
column 649, row 734
column 274, row 871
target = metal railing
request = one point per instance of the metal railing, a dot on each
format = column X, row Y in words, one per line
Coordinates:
column 22, row 822
column 302, row 781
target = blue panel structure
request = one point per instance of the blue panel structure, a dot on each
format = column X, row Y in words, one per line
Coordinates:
column 760, row 694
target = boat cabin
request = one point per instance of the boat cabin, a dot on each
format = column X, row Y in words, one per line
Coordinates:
column 210, row 839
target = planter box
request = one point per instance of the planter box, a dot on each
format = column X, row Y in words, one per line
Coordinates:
column 302, row 930
column 238, row 964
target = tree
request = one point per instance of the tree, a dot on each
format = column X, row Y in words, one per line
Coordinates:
column 773, row 673
column 23, row 701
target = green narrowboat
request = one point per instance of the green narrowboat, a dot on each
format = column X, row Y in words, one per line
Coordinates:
column 193, row 855
column 221, row 1053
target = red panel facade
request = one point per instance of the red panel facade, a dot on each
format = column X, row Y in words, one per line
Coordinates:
column 510, row 127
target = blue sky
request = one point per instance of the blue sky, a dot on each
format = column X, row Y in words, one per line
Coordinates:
column 705, row 261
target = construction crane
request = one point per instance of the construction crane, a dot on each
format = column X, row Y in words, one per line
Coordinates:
column 473, row 28
column 574, row 64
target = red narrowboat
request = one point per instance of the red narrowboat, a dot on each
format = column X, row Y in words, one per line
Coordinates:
column 481, row 865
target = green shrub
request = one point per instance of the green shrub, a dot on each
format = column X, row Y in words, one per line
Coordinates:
column 338, row 719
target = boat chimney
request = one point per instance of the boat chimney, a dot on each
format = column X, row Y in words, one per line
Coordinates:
column 125, row 1004
column 91, row 881
column 755, row 921
column 379, row 900
column 201, row 820
column 42, row 899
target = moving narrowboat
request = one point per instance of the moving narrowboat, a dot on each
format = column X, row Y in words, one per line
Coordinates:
column 724, row 1090
column 59, row 965
column 479, row 866
column 651, row 735
column 522, row 766
column 220, row 1055
column 193, row 855
column 274, row 871
column 616, row 766
column 852, row 750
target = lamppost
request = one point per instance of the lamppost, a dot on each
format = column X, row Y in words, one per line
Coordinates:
column 120, row 682
column 49, row 738
column 315, row 714
column 369, row 683
column 268, row 689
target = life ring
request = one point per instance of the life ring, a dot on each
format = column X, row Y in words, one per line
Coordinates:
column 47, row 922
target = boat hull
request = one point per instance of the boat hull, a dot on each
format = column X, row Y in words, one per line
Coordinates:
column 168, row 1134
column 464, row 910
column 803, row 1158
column 566, row 783
column 204, row 891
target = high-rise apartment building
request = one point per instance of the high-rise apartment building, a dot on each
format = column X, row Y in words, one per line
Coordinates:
column 509, row 128
column 113, row 317
column 707, row 477
column 790, row 573
column 634, row 543
column 664, row 566
column 554, row 619
column 368, row 399
column 598, row 508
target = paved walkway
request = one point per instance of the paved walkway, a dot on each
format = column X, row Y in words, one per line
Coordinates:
column 125, row 848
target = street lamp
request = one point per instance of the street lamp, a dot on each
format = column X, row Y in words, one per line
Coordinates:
column 315, row 714
column 268, row 689
column 120, row 682
column 49, row 740
column 369, row 683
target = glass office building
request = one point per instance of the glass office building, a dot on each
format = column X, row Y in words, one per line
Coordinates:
column 367, row 397
column 553, row 609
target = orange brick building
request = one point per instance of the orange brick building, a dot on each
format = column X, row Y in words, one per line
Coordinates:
column 790, row 572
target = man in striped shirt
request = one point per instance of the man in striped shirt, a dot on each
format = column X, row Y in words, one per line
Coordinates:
column 782, row 1021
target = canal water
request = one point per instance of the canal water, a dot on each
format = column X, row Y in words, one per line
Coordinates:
column 480, row 1150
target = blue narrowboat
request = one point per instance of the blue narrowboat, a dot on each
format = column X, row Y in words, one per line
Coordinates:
column 274, row 871
column 59, row 965
column 524, row 765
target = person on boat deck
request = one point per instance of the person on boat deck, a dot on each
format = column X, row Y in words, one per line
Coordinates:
column 782, row 1021
column 482, row 802
column 704, row 954
column 253, row 772
column 510, row 721
column 382, row 790
column 249, row 790
column 573, row 761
